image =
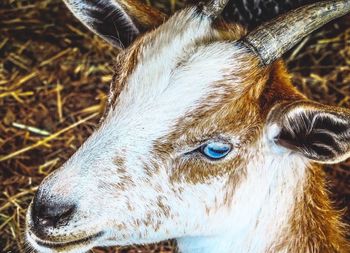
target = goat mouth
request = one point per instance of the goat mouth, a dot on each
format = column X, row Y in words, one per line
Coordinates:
column 56, row 245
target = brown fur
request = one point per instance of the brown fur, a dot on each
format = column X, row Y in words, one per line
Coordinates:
column 143, row 15
column 314, row 226
column 124, row 66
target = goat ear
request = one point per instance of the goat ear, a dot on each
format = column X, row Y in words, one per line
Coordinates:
column 119, row 22
column 319, row 132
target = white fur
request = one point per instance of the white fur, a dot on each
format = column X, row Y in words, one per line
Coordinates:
column 260, row 209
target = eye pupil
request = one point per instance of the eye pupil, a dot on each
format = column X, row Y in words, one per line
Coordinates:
column 216, row 150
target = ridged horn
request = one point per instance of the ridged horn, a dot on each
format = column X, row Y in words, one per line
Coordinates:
column 272, row 39
column 214, row 8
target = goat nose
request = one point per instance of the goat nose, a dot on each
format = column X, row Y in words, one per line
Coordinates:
column 51, row 214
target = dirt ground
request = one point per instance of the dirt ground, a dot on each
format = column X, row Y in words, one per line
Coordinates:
column 54, row 77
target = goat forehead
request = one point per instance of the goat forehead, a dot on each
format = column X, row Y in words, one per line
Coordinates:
column 185, row 47
column 176, row 68
column 158, row 92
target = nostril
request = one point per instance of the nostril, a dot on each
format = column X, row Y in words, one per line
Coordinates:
column 46, row 222
column 49, row 214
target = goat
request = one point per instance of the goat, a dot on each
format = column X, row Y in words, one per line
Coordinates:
column 204, row 140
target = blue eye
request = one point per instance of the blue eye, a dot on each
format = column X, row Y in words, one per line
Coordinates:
column 215, row 150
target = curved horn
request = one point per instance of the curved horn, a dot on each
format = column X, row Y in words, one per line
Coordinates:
column 272, row 39
column 214, row 7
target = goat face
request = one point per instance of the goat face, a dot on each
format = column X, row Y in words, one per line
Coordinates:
column 193, row 120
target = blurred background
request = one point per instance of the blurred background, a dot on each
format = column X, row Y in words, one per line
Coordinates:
column 54, row 78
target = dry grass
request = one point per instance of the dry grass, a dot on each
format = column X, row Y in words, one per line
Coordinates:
column 54, row 76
